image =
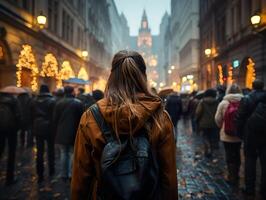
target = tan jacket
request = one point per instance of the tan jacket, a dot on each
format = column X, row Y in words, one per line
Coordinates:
column 90, row 143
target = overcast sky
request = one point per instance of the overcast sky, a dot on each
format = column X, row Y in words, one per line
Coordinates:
column 133, row 10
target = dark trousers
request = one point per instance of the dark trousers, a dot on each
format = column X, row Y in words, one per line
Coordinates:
column 209, row 138
column 253, row 151
column 26, row 136
column 11, row 137
column 40, row 142
column 233, row 161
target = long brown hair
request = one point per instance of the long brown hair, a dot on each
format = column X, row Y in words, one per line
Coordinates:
column 128, row 79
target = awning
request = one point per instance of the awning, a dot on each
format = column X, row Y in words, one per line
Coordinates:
column 77, row 81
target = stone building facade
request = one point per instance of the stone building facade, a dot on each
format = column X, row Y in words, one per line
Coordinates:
column 30, row 55
column 184, row 46
column 231, row 49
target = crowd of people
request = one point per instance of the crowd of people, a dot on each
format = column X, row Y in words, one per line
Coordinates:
column 101, row 138
column 44, row 120
column 234, row 116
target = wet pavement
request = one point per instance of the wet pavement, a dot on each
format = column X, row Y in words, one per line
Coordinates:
column 198, row 177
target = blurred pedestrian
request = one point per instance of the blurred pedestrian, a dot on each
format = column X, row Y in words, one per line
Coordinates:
column 58, row 94
column 9, row 125
column 42, row 113
column 249, row 121
column 86, row 99
column 205, row 114
column 67, row 114
column 130, row 111
column 174, row 108
column 220, row 92
column 97, row 95
column 26, row 135
column 225, row 119
column 193, row 103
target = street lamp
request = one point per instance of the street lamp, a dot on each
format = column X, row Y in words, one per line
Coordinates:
column 172, row 67
column 84, row 54
column 255, row 20
column 208, row 52
column 169, row 71
column 41, row 20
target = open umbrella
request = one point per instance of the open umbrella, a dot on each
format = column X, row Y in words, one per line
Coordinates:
column 13, row 90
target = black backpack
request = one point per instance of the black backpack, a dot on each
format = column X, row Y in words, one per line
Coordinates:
column 129, row 168
column 7, row 119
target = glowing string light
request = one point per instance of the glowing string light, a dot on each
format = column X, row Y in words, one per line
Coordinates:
column 251, row 74
column 27, row 60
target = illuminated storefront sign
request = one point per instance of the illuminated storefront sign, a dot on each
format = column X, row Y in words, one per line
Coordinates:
column 236, row 63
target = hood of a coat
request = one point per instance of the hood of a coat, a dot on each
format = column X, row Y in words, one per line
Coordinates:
column 146, row 107
column 233, row 97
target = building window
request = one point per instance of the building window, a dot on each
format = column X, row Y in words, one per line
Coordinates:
column 52, row 15
column 67, row 28
column 26, row 5
column 81, row 8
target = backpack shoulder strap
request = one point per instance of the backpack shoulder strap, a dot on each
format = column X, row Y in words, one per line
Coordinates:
column 104, row 127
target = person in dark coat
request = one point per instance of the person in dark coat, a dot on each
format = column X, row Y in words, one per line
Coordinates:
column 25, row 102
column 86, row 99
column 250, row 121
column 97, row 95
column 42, row 112
column 174, row 108
column 9, row 125
column 67, row 114
column 205, row 114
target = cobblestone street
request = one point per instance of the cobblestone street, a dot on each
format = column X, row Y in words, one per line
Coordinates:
column 199, row 178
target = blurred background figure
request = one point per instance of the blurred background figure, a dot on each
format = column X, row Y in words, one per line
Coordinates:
column 193, row 103
column 174, row 108
column 97, row 95
column 220, row 92
column 225, row 119
column 9, row 125
column 66, row 117
column 205, row 113
column 42, row 112
column 59, row 94
column 86, row 99
column 26, row 136
column 250, row 123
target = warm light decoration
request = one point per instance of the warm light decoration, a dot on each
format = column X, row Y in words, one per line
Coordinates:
column 172, row 67
column 208, row 52
column 100, row 84
column 1, row 53
column 184, row 79
column 255, row 20
column 66, row 71
column 220, row 74
column 49, row 66
column 83, row 74
column 169, row 71
column 230, row 75
column 41, row 20
column 190, row 77
column 251, row 74
column 27, row 60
